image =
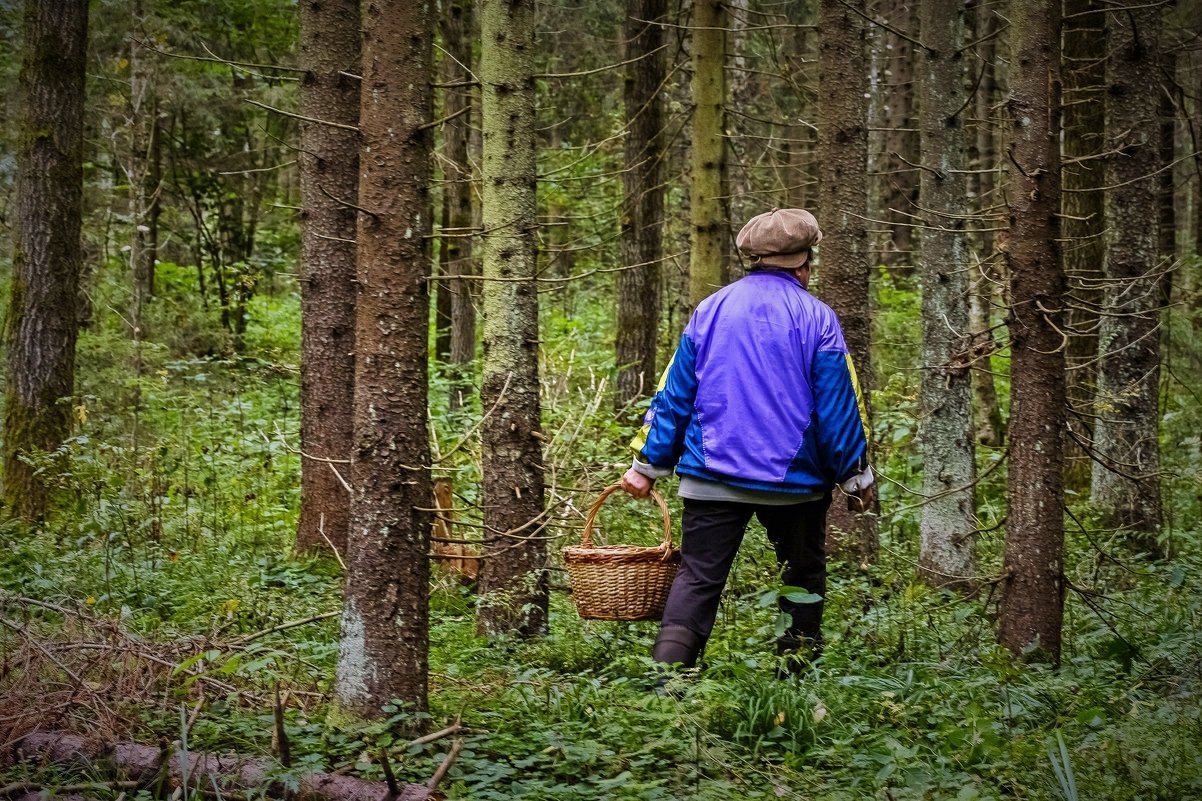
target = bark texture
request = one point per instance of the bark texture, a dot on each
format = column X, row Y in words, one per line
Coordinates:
column 47, row 256
column 1033, row 602
column 948, row 524
column 384, row 645
column 329, row 169
column 458, row 258
column 141, row 172
column 512, row 578
column 899, row 184
column 710, row 227
column 989, row 33
column 1083, row 60
column 1126, row 477
column 643, row 199
column 843, row 266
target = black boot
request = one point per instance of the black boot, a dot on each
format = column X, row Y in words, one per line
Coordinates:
column 675, row 645
column 798, row 652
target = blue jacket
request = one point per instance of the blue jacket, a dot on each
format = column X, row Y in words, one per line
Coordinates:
column 761, row 393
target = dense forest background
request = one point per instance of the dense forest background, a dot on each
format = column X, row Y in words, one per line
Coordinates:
column 1012, row 205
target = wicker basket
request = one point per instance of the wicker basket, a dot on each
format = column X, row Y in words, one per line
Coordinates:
column 621, row 582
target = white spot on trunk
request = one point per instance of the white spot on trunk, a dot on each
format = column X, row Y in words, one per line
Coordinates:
column 353, row 665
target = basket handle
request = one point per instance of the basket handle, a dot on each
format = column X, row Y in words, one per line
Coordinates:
column 591, row 517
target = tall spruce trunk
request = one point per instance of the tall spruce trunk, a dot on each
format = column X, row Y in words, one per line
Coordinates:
column 1033, row 602
column 1083, row 65
column 329, row 177
column 643, row 202
column 801, row 169
column 899, row 186
column 948, row 524
column 460, row 260
column 983, row 187
column 1126, row 475
column 843, row 266
column 385, row 619
column 512, row 579
column 710, row 226
column 140, row 172
column 41, row 327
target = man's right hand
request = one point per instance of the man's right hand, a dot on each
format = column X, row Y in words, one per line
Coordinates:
column 636, row 484
column 862, row 500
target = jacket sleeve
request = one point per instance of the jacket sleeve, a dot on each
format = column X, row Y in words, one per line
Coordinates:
column 660, row 443
column 841, row 420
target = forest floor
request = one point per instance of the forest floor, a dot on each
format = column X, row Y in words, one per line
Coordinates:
column 162, row 599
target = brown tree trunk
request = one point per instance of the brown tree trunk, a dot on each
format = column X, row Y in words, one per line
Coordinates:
column 801, row 167
column 983, row 185
column 643, row 214
column 41, row 327
column 512, row 579
column 843, row 266
column 385, row 619
column 948, row 526
column 458, row 217
column 1083, row 60
column 710, row 225
column 1126, row 477
column 1033, row 602
column 143, row 184
column 329, row 169
column 899, row 199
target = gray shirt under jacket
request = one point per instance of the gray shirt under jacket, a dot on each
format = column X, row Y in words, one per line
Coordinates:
column 698, row 489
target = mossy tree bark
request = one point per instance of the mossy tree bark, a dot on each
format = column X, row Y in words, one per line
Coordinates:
column 841, row 276
column 1126, row 475
column 643, row 202
column 47, row 256
column 709, row 224
column 512, row 579
column 1033, row 602
column 329, row 174
column 384, row 648
column 948, row 524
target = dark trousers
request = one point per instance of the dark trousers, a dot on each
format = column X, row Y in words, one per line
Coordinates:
column 712, row 532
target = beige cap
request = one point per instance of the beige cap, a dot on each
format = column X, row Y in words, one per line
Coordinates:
column 779, row 238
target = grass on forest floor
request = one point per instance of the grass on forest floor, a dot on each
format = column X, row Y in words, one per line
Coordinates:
column 172, row 550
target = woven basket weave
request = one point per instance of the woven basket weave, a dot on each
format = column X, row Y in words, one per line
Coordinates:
column 621, row 582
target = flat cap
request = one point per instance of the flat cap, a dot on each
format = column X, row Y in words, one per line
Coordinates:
column 779, row 238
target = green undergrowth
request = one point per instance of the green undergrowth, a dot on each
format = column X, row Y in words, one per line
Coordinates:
column 178, row 499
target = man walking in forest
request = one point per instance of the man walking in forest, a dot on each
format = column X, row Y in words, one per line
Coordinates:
column 759, row 412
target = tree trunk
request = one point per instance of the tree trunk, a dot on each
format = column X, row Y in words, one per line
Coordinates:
column 47, row 256
column 457, row 24
column 899, row 200
column 801, row 58
column 384, row 646
column 143, row 110
column 710, row 226
column 948, row 525
column 512, row 578
column 643, row 217
column 843, row 267
column 1126, row 479
column 1033, row 603
column 1083, row 61
column 329, row 169
column 983, row 183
